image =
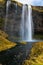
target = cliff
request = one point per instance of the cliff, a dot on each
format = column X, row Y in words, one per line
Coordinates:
column 14, row 18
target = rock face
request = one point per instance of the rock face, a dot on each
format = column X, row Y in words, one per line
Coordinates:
column 38, row 19
column 37, row 16
column 2, row 15
column 14, row 20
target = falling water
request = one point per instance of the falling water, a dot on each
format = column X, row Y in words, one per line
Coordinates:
column 29, row 23
column 22, row 22
column 26, row 31
column 6, row 18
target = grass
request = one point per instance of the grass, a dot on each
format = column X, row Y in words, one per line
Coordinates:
column 4, row 43
column 36, row 55
column 37, row 64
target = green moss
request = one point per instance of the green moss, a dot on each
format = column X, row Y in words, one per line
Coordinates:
column 38, row 36
column 1, row 22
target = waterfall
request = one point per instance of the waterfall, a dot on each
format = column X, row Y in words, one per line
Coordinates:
column 22, row 22
column 26, row 23
column 29, row 23
column 6, row 18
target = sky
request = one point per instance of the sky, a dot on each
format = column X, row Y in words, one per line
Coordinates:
column 32, row 2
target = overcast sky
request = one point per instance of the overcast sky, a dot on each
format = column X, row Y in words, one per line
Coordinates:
column 32, row 2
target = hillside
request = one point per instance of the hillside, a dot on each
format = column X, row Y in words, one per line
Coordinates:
column 36, row 55
column 4, row 43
